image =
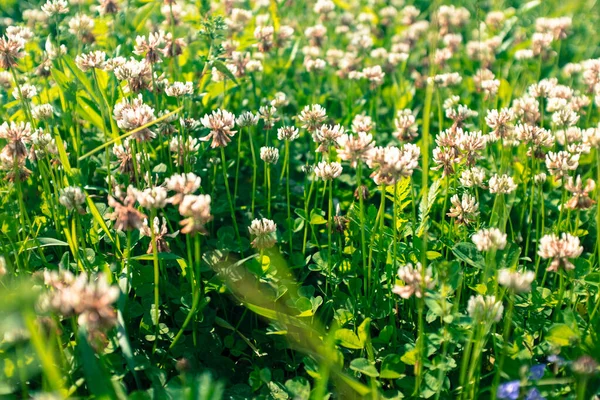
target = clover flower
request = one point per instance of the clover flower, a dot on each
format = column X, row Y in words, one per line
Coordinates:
column 312, row 117
column 502, row 184
column 55, row 7
column 160, row 232
column 287, row 133
column 581, row 194
column 95, row 59
column 152, row 198
column 182, row 184
column 328, row 170
column 392, row 163
column 465, row 209
column 246, row 119
column 560, row 250
column 517, row 281
column 327, row 136
column 17, row 135
column 559, row 164
column 263, row 231
column 125, row 215
column 89, row 299
column 220, row 123
column 485, row 309
column 72, row 198
column 269, row 155
column 414, row 284
column 135, row 114
column 355, row 148
column 472, row 177
column 406, row 125
column 489, row 239
column 179, row 89
column 196, row 209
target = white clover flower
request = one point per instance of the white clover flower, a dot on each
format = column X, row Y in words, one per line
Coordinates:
column 28, row 91
column 183, row 184
column 42, row 111
column 413, row 281
column 485, row 309
column 196, row 209
column 560, row 250
column 287, row 133
column 489, row 239
column 465, row 209
column 269, row 155
column 55, row 7
column 472, row 177
column 517, row 281
column 152, row 198
column 502, row 184
column 178, row 89
column 72, row 198
column 263, row 231
column 328, row 170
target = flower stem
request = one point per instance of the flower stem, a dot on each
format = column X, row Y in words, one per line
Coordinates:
column 231, row 206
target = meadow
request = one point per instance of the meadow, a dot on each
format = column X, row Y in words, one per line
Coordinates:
column 278, row 199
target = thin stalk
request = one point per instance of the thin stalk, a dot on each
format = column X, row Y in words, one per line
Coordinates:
column 231, row 206
column 156, row 280
column 363, row 242
column 288, row 197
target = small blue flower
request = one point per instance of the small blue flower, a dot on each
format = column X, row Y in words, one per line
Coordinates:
column 534, row 394
column 555, row 359
column 509, row 390
column 537, row 372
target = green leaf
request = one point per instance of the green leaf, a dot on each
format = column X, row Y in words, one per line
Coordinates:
column 97, row 217
column 316, row 218
column 298, row 388
column 468, row 253
column 392, row 367
column 364, row 331
column 222, row 68
column 348, row 339
column 95, row 377
column 364, row 366
column 142, row 15
column 410, row 357
column 561, row 335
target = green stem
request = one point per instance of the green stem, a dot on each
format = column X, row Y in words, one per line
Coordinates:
column 231, row 206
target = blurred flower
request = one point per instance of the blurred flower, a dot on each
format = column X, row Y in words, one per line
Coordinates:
column 55, row 7
column 72, row 198
column 581, row 194
column 502, row 184
column 196, row 209
column 509, row 390
column 585, row 365
column 489, row 239
column 536, row 372
column 413, row 281
column 517, row 281
column 183, row 184
column 126, row 216
column 485, row 309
